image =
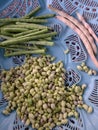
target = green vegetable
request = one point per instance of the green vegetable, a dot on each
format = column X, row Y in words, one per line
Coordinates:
column 45, row 16
column 41, row 102
column 46, row 43
column 5, row 37
column 29, row 25
column 21, row 52
column 33, row 20
column 32, row 12
column 34, row 33
column 6, row 33
column 26, row 32
column 28, row 46
column 85, row 68
column 3, row 24
column 11, row 48
column 13, row 29
column 15, row 41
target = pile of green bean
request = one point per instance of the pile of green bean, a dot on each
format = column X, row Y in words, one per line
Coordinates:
column 37, row 92
column 26, row 35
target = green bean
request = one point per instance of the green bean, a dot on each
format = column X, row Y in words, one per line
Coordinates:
column 5, row 37
column 23, row 20
column 6, row 33
column 40, row 51
column 26, row 32
column 11, row 48
column 32, row 12
column 15, row 41
column 14, row 29
column 45, row 16
column 34, row 33
column 3, row 24
column 48, row 38
column 30, row 25
column 46, row 43
column 21, row 45
column 26, row 47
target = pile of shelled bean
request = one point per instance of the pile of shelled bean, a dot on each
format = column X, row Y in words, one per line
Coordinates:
column 37, row 91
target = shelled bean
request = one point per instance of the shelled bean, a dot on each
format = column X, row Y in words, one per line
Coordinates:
column 83, row 67
column 53, row 102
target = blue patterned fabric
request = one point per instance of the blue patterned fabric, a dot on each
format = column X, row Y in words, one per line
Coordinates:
column 66, row 38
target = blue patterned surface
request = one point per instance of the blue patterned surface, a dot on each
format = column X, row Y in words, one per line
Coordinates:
column 89, row 9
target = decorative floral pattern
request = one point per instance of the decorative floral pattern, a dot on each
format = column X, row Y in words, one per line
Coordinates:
column 12, row 8
column 72, row 77
column 19, row 125
column 76, row 50
column 89, row 8
column 58, row 28
column 18, row 59
column 93, row 98
column 94, row 27
column 18, row 8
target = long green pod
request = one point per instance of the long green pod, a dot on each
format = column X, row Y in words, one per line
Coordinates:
column 5, row 37
column 47, row 39
column 24, row 46
column 23, row 20
column 26, row 32
column 39, row 51
column 19, row 47
column 3, row 24
column 45, row 16
column 42, row 43
column 8, row 29
column 34, row 33
column 15, row 40
column 11, row 48
column 6, row 33
column 31, row 25
column 29, row 15
column 46, row 43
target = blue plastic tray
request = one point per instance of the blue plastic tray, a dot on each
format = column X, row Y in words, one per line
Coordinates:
column 89, row 9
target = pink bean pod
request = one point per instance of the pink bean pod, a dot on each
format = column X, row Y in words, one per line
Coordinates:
column 79, row 25
column 83, row 38
column 81, row 18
